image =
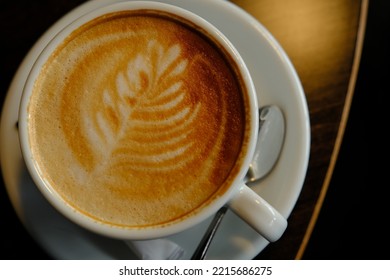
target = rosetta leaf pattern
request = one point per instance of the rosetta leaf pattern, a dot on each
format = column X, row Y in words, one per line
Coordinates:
column 144, row 119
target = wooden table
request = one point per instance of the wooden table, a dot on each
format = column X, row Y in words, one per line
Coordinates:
column 324, row 42
column 323, row 39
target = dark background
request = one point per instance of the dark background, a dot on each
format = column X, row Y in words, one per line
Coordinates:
column 353, row 223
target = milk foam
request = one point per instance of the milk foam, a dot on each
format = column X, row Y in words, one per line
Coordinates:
column 142, row 120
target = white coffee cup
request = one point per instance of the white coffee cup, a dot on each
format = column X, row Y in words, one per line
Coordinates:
column 240, row 198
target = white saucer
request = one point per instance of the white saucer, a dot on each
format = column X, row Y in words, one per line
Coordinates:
column 276, row 83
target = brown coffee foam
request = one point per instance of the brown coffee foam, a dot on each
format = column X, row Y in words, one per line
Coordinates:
column 161, row 162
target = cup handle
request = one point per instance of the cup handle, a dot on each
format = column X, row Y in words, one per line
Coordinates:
column 258, row 213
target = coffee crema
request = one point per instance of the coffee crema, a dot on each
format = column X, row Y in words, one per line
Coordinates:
column 138, row 119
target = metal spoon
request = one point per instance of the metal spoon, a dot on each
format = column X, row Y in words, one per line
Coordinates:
column 268, row 147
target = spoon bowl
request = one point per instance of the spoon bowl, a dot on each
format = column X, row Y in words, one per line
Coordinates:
column 269, row 143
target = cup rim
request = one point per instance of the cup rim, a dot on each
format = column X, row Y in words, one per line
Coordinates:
column 155, row 231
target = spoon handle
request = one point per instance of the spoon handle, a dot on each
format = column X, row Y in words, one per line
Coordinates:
column 201, row 250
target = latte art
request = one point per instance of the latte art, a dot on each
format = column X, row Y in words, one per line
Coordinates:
column 137, row 119
column 145, row 114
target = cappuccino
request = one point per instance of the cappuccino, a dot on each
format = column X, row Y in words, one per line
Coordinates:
column 138, row 119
